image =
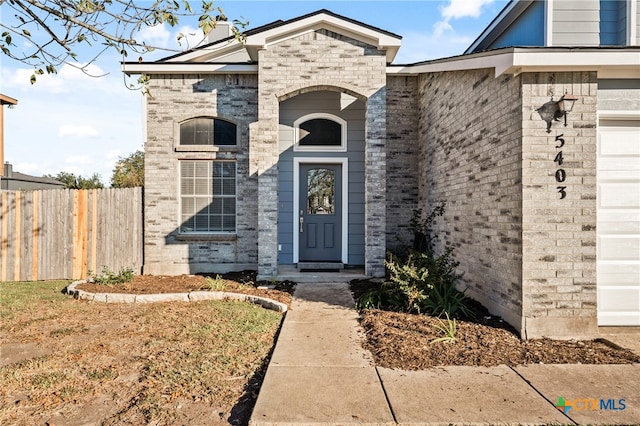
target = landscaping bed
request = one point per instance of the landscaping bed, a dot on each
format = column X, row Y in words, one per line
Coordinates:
column 244, row 282
column 407, row 341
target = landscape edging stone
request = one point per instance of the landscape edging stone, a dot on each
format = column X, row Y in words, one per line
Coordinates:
column 193, row 296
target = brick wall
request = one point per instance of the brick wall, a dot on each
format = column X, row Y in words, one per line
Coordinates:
column 403, row 152
column 319, row 60
column 528, row 255
column 559, row 235
column 176, row 98
column 470, row 139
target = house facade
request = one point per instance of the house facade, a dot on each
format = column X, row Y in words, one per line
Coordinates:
column 307, row 145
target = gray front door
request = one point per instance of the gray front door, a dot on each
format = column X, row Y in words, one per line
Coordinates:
column 320, row 228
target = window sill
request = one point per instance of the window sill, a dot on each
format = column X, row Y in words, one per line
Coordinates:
column 319, row 148
column 206, row 237
column 205, row 148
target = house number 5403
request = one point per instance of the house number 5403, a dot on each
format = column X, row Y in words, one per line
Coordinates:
column 561, row 175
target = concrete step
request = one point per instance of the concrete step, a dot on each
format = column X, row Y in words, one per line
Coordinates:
column 291, row 273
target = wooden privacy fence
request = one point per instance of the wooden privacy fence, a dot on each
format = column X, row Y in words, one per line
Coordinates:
column 65, row 233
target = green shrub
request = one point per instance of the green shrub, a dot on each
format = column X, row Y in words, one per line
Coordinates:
column 447, row 300
column 444, row 298
column 421, row 282
column 448, row 330
column 108, row 277
column 215, row 284
column 404, row 291
column 408, row 280
column 423, row 236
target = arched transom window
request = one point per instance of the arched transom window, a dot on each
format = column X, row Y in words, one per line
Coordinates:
column 208, row 131
column 320, row 132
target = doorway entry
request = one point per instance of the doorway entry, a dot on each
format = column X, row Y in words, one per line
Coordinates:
column 320, row 216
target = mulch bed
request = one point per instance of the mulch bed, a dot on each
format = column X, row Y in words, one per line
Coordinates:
column 244, row 282
column 406, row 341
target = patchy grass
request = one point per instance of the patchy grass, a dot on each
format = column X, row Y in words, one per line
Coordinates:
column 164, row 363
column 21, row 296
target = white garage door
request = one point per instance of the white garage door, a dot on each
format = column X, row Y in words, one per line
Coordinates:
column 618, row 226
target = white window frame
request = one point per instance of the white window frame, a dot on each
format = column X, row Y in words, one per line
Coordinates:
column 344, row 162
column 235, row 197
column 320, row 148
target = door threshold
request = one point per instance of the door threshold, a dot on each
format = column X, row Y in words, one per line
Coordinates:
column 320, row 266
column 292, row 273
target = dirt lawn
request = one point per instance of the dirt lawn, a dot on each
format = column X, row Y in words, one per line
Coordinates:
column 69, row 362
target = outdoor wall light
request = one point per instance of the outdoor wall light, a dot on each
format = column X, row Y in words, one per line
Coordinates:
column 555, row 110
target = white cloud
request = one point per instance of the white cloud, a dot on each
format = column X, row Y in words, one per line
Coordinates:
column 166, row 42
column 463, row 8
column 80, row 73
column 68, row 79
column 158, row 36
column 418, row 46
column 440, row 27
column 457, row 9
column 77, row 131
column 21, row 78
column 192, row 37
column 26, row 168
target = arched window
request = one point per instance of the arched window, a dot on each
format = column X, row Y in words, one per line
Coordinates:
column 320, row 132
column 208, row 131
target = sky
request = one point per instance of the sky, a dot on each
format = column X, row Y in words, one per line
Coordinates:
column 80, row 124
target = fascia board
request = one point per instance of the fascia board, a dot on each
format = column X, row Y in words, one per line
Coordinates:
column 501, row 63
column 188, row 68
column 610, row 63
column 577, row 59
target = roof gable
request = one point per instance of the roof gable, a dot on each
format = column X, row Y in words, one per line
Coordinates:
column 554, row 23
column 229, row 50
column 519, row 23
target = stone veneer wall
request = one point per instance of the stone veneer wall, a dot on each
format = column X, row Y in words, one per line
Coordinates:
column 403, row 153
column 470, row 136
column 559, row 235
column 319, row 60
column 176, row 98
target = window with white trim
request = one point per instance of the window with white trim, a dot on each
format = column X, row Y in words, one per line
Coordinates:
column 320, row 132
column 207, row 196
column 208, row 131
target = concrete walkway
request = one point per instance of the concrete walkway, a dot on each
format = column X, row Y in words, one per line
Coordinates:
column 319, row 374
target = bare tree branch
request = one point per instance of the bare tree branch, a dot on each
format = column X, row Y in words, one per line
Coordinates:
column 53, row 31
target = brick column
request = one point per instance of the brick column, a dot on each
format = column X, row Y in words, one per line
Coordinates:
column 559, row 233
column 264, row 152
column 375, row 183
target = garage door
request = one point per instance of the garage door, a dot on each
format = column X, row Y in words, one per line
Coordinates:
column 618, row 226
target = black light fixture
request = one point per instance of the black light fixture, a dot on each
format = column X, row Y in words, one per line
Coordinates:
column 555, row 110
